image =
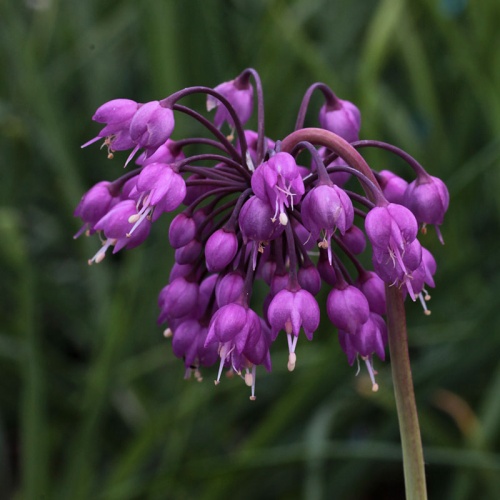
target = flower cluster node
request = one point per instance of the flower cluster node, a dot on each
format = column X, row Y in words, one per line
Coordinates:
column 249, row 211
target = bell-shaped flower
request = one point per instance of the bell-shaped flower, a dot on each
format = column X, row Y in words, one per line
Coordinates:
column 347, row 308
column 309, row 278
column 94, row 205
column 229, row 288
column 117, row 114
column 393, row 186
column 369, row 339
column 158, row 189
column 279, row 182
column 116, row 228
column 188, row 343
column 342, row 118
column 182, row 230
column 423, row 276
column 220, row 249
column 190, row 253
column 256, row 221
column 237, row 330
column 396, row 268
column 289, row 310
column 239, row 93
column 428, row 198
column 152, row 125
column 179, row 299
column 327, row 208
column 354, row 240
column 373, row 289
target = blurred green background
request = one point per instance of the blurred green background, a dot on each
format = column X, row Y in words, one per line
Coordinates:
column 93, row 404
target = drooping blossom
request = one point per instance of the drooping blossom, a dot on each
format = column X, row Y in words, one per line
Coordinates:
column 247, row 212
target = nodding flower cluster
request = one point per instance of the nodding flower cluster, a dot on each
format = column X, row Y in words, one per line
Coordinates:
column 251, row 211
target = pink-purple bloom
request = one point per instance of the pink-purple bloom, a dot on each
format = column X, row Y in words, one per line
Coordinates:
column 342, row 118
column 247, row 212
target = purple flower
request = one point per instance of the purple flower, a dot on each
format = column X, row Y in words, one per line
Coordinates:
column 220, row 249
column 354, row 240
column 393, row 186
column 158, row 189
column 188, row 343
column 391, row 230
column 373, row 289
column 239, row 93
column 397, row 268
column 428, row 198
column 279, row 182
column 238, row 331
column 116, row 228
column 369, row 339
column 290, row 310
column 152, row 125
column 309, row 278
column 256, row 221
column 342, row 118
column 117, row 114
column 94, row 205
column 324, row 209
column 229, row 289
column 189, row 254
column 182, row 230
column 424, row 275
column 347, row 308
column 166, row 153
column 179, row 299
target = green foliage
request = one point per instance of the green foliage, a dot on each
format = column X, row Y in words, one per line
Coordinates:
column 92, row 401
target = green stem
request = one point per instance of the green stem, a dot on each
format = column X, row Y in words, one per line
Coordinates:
column 411, row 442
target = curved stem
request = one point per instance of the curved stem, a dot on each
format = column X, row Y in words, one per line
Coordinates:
column 414, row 164
column 330, row 99
column 261, row 136
column 341, row 147
column 211, row 127
column 411, row 442
column 171, row 100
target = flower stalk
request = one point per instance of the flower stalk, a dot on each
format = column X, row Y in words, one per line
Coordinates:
column 411, row 441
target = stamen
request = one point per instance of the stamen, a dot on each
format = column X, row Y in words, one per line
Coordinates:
column 371, row 372
column 142, row 216
column 167, row 333
column 101, row 253
column 283, row 219
column 254, row 373
column 292, row 359
column 248, row 379
column 427, row 312
column 197, row 375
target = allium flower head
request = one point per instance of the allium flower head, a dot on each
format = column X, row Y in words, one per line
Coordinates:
column 251, row 213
